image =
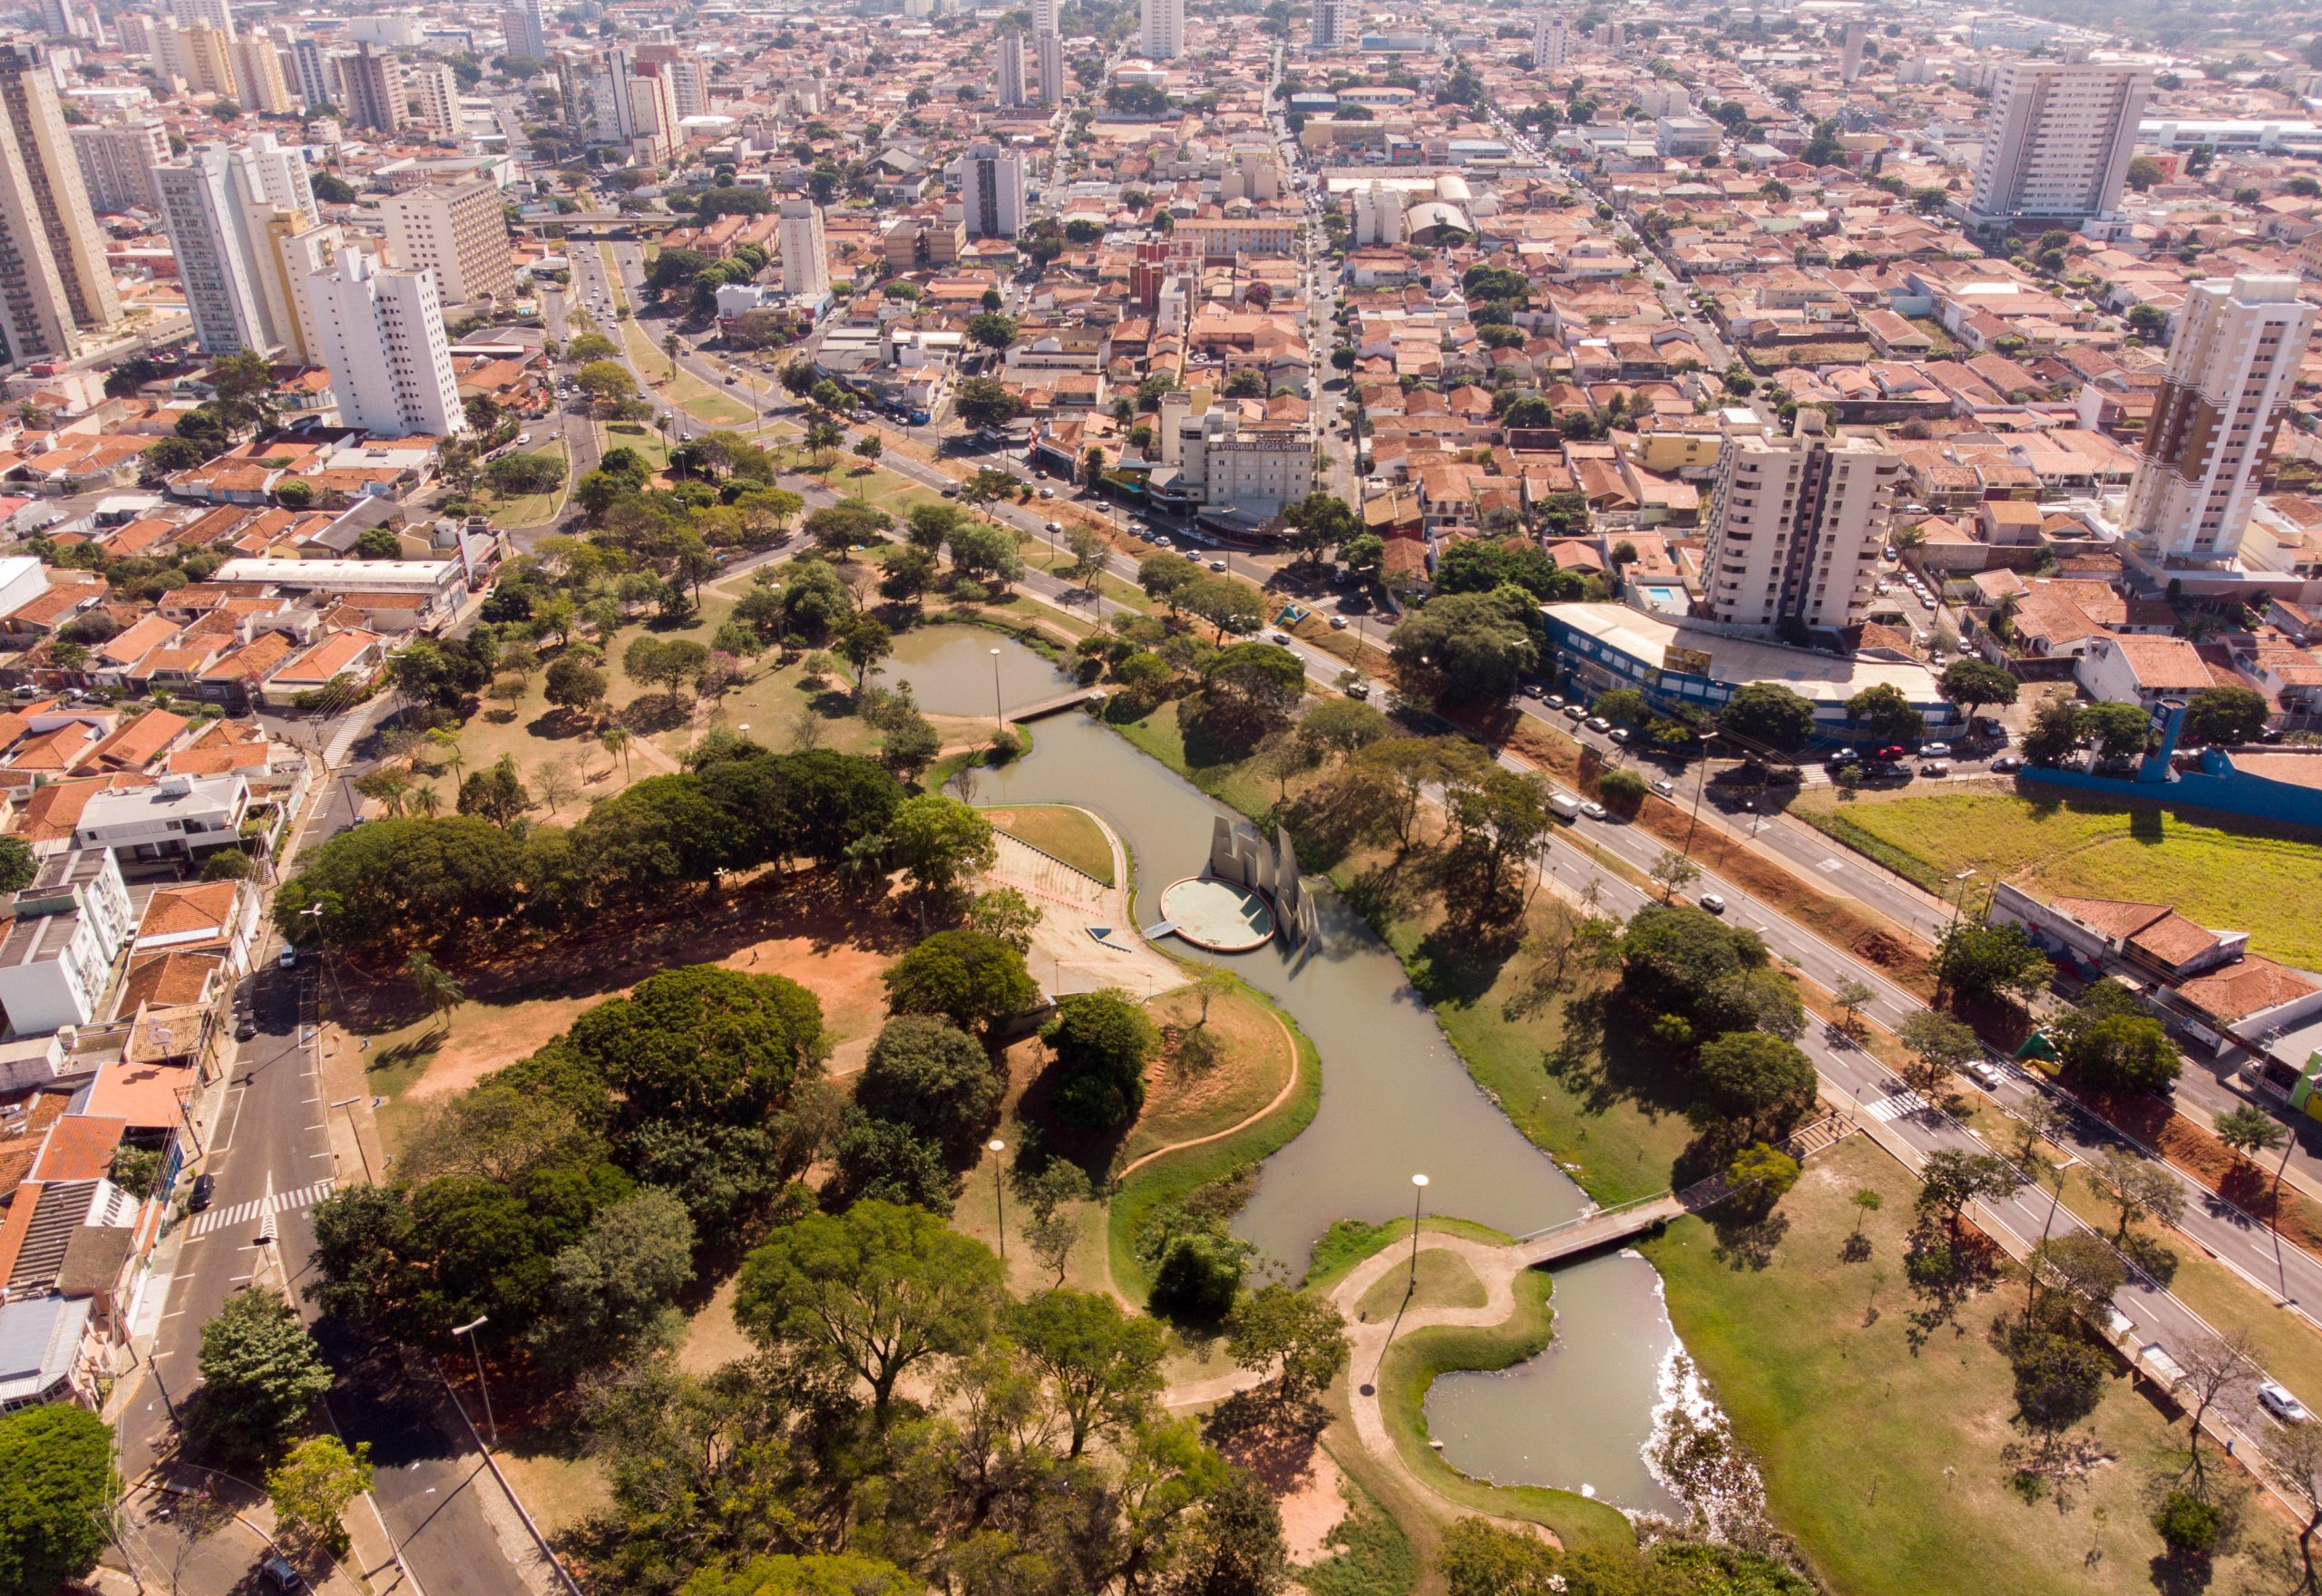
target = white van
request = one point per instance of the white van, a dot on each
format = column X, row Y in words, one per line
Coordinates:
column 1564, row 807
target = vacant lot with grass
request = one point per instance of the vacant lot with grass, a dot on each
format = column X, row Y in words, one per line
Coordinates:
column 2247, row 878
column 1888, row 1465
column 533, row 510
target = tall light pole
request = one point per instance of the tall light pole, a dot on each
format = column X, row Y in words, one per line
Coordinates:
column 999, row 1196
column 999, row 716
column 1959, row 902
column 1418, row 1190
column 469, row 1330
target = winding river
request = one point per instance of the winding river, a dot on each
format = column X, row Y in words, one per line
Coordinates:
column 1396, row 1101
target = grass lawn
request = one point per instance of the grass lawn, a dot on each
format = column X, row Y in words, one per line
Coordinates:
column 2246, row 878
column 1166, row 1179
column 534, row 509
column 1445, row 1280
column 1884, row 1463
column 1039, row 555
column 651, row 445
column 1070, row 834
column 1183, row 1105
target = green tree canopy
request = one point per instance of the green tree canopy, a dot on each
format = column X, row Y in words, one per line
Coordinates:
column 973, row 980
column 56, row 1490
column 1101, row 1042
column 1470, row 648
column 260, row 1374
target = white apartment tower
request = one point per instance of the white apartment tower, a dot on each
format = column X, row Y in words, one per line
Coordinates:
column 1851, row 53
column 805, row 255
column 117, row 162
column 218, row 13
column 222, row 208
column 2061, row 136
column 1551, row 42
column 1009, row 73
column 433, row 93
column 1049, row 49
column 459, row 231
column 1795, row 523
column 1044, row 16
column 54, row 280
column 991, row 192
column 1164, row 28
column 382, row 336
column 1335, row 24
column 2222, row 402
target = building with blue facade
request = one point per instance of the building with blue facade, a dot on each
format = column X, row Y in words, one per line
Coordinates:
column 1679, row 664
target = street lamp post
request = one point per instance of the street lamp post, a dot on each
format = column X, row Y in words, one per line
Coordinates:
column 999, row 716
column 469, row 1330
column 1959, row 902
column 1418, row 1190
column 999, row 1197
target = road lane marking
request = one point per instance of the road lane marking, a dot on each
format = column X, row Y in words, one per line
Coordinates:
column 259, row 1208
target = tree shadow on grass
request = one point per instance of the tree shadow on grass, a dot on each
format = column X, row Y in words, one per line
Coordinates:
column 648, row 713
column 558, row 725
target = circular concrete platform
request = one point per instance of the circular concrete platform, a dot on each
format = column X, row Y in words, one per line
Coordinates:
column 1217, row 916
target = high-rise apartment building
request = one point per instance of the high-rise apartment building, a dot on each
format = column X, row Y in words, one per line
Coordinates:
column 527, row 30
column 1044, row 16
column 460, row 232
column 1007, row 84
column 219, row 204
column 991, row 192
column 805, row 254
column 117, row 162
column 317, row 71
column 1551, row 42
column 1049, row 49
column 382, row 336
column 1337, row 23
column 2222, row 402
column 1795, row 523
column 431, row 93
column 257, row 68
column 54, row 281
column 216, row 13
column 206, row 56
column 688, row 85
column 209, row 207
column 372, row 79
column 1164, row 28
column 636, row 105
column 2061, row 136
column 291, row 253
column 1851, row 52
column 57, row 21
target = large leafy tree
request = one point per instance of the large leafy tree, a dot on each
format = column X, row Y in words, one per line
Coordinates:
column 1480, row 565
column 2226, row 715
column 927, row 1074
column 1758, row 1080
column 613, row 1285
column 1980, row 960
column 1470, row 648
column 397, row 884
column 1105, row 1365
column 1676, row 959
column 1769, row 715
column 260, row 1374
column 1883, row 711
column 877, row 1291
column 57, row 1488
column 1973, row 683
column 1101, row 1042
column 704, row 1045
column 973, row 980
column 940, row 843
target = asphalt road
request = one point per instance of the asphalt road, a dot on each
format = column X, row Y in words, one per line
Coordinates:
column 270, row 1152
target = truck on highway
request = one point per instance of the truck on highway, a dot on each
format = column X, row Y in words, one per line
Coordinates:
column 1564, row 807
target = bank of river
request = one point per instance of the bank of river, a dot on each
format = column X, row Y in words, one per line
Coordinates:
column 1396, row 1101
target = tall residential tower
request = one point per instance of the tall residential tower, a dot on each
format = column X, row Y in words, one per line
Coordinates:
column 1795, row 523
column 54, row 280
column 2061, row 136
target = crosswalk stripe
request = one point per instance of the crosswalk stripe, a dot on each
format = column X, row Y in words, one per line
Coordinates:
column 258, row 1207
column 1898, row 1105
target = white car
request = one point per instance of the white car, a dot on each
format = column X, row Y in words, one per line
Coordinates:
column 287, row 958
column 1713, row 903
column 1593, row 809
column 1217, row 565
column 1985, row 1074
column 1048, row 492
column 1279, row 640
column 2280, row 1403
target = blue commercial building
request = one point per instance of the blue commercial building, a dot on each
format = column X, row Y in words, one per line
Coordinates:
column 1679, row 664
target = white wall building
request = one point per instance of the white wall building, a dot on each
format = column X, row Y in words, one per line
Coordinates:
column 65, row 929
column 1218, row 462
column 1008, row 73
column 117, row 162
column 1164, row 28
column 460, row 232
column 1337, row 22
column 2059, row 140
column 1049, row 49
column 2222, row 399
column 431, row 87
column 1795, row 523
column 382, row 334
column 991, row 192
column 1551, row 42
column 805, row 256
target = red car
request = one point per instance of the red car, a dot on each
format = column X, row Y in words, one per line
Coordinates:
column 1889, row 753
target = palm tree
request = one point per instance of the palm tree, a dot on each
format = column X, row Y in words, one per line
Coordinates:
column 438, row 988
column 446, row 742
column 669, row 348
column 615, row 741
column 425, row 802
